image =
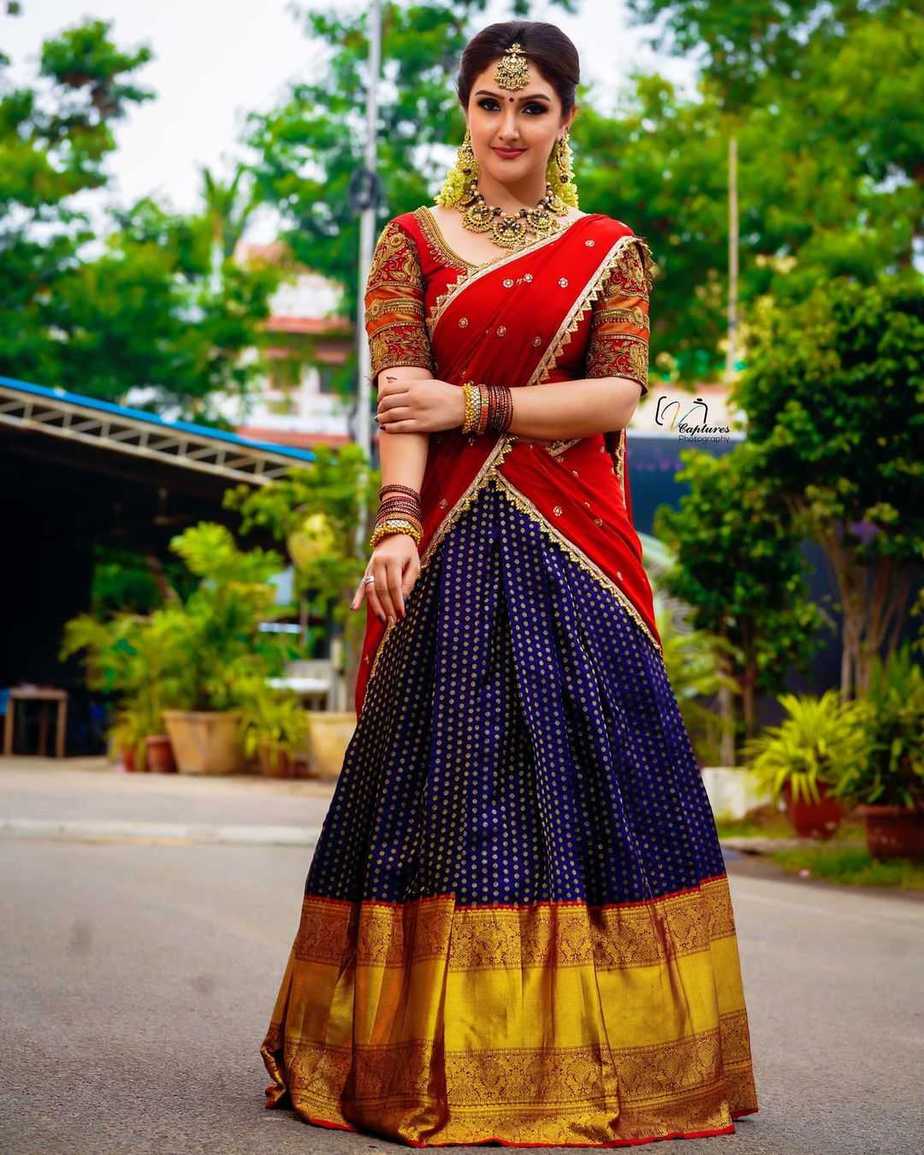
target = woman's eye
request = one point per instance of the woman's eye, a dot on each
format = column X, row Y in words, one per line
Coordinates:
column 490, row 105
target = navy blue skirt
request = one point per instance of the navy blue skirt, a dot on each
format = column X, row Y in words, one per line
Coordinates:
column 516, row 925
column 520, row 740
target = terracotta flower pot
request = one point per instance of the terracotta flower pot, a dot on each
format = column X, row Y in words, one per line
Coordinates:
column 128, row 758
column 894, row 831
column 814, row 819
column 279, row 767
column 160, row 754
column 205, row 741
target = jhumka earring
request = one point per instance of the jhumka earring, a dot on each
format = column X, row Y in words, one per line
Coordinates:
column 560, row 170
column 460, row 176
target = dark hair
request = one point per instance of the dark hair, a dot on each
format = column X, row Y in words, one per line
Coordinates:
column 545, row 45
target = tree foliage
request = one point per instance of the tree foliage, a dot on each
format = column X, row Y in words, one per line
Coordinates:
column 739, row 568
column 150, row 308
column 834, row 396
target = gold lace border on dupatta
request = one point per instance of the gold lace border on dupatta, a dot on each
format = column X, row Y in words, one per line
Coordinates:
column 522, row 502
column 469, row 272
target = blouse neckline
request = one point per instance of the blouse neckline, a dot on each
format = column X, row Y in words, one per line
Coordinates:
column 457, row 258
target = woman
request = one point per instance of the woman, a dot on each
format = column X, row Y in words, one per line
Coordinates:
column 516, row 924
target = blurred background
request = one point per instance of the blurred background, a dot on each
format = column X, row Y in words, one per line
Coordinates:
column 188, row 198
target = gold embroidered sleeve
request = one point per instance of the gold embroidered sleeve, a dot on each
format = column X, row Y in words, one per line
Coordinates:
column 618, row 344
column 394, row 304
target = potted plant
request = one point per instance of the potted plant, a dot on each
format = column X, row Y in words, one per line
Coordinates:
column 888, row 785
column 217, row 647
column 803, row 758
column 274, row 729
column 127, row 737
column 127, row 655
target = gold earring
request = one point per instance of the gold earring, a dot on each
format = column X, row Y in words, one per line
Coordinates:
column 460, row 177
column 560, row 170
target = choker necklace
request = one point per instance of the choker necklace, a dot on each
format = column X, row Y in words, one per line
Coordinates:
column 512, row 230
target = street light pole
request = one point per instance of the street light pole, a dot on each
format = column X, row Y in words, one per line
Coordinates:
column 365, row 196
column 368, row 206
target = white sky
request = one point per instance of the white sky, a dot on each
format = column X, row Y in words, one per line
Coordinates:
column 214, row 60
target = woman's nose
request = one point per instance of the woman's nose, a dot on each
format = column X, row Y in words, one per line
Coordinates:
column 509, row 131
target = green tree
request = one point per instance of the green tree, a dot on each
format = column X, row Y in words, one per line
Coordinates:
column 834, row 396
column 315, row 511
column 739, row 569
column 153, row 308
column 824, row 172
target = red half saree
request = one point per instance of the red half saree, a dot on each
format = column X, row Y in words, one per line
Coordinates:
column 517, row 924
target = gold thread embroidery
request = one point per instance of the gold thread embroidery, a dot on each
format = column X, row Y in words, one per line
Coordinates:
column 393, row 304
column 316, row 1076
column 623, row 935
column 584, row 301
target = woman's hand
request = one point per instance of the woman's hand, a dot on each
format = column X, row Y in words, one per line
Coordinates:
column 395, row 565
column 421, row 405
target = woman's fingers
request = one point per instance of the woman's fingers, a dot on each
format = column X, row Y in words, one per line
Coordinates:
column 386, row 592
column 375, row 600
column 394, row 587
column 394, row 572
column 411, row 574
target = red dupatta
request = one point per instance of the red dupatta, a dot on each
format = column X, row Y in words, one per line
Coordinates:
column 508, row 322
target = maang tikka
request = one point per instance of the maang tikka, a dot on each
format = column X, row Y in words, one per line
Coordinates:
column 460, row 187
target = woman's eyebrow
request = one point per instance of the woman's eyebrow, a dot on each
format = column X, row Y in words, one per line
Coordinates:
column 531, row 96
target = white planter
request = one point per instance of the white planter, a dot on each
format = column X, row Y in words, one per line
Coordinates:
column 733, row 791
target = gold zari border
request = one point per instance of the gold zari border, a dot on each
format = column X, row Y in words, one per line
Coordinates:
column 582, row 1096
column 611, row 936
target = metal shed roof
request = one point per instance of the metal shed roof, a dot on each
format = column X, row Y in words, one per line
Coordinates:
column 121, row 429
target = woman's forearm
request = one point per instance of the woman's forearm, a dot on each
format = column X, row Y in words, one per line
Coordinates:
column 403, row 456
column 562, row 409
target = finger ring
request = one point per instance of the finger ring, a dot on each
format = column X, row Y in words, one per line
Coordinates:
column 368, row 580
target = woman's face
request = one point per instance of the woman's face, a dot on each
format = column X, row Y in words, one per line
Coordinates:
column 527, row 120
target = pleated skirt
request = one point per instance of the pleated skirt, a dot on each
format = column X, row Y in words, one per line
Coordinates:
column 517, row 925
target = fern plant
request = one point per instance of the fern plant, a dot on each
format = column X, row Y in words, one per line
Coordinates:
column 821, row 740
column 892, row 774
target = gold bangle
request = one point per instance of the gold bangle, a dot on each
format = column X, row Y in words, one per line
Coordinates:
column 470, row 420
column 394, row 525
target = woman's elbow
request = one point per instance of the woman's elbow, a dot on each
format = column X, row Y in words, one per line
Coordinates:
column 626, row 395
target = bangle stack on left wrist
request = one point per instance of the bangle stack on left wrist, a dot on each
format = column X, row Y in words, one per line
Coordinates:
column 488, row 408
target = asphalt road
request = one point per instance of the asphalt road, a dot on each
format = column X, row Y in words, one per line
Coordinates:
column 138, row 975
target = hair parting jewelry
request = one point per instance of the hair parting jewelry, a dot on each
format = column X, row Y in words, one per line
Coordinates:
column 512, row 71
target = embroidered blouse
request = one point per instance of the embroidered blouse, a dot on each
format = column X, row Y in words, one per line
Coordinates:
column 619, row 326
column 394, row 300
column 610, row 340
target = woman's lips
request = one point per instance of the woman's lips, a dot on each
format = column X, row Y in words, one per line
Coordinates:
column 509, row 153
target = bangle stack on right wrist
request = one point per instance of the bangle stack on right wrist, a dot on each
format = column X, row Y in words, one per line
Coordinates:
column 399, row 512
